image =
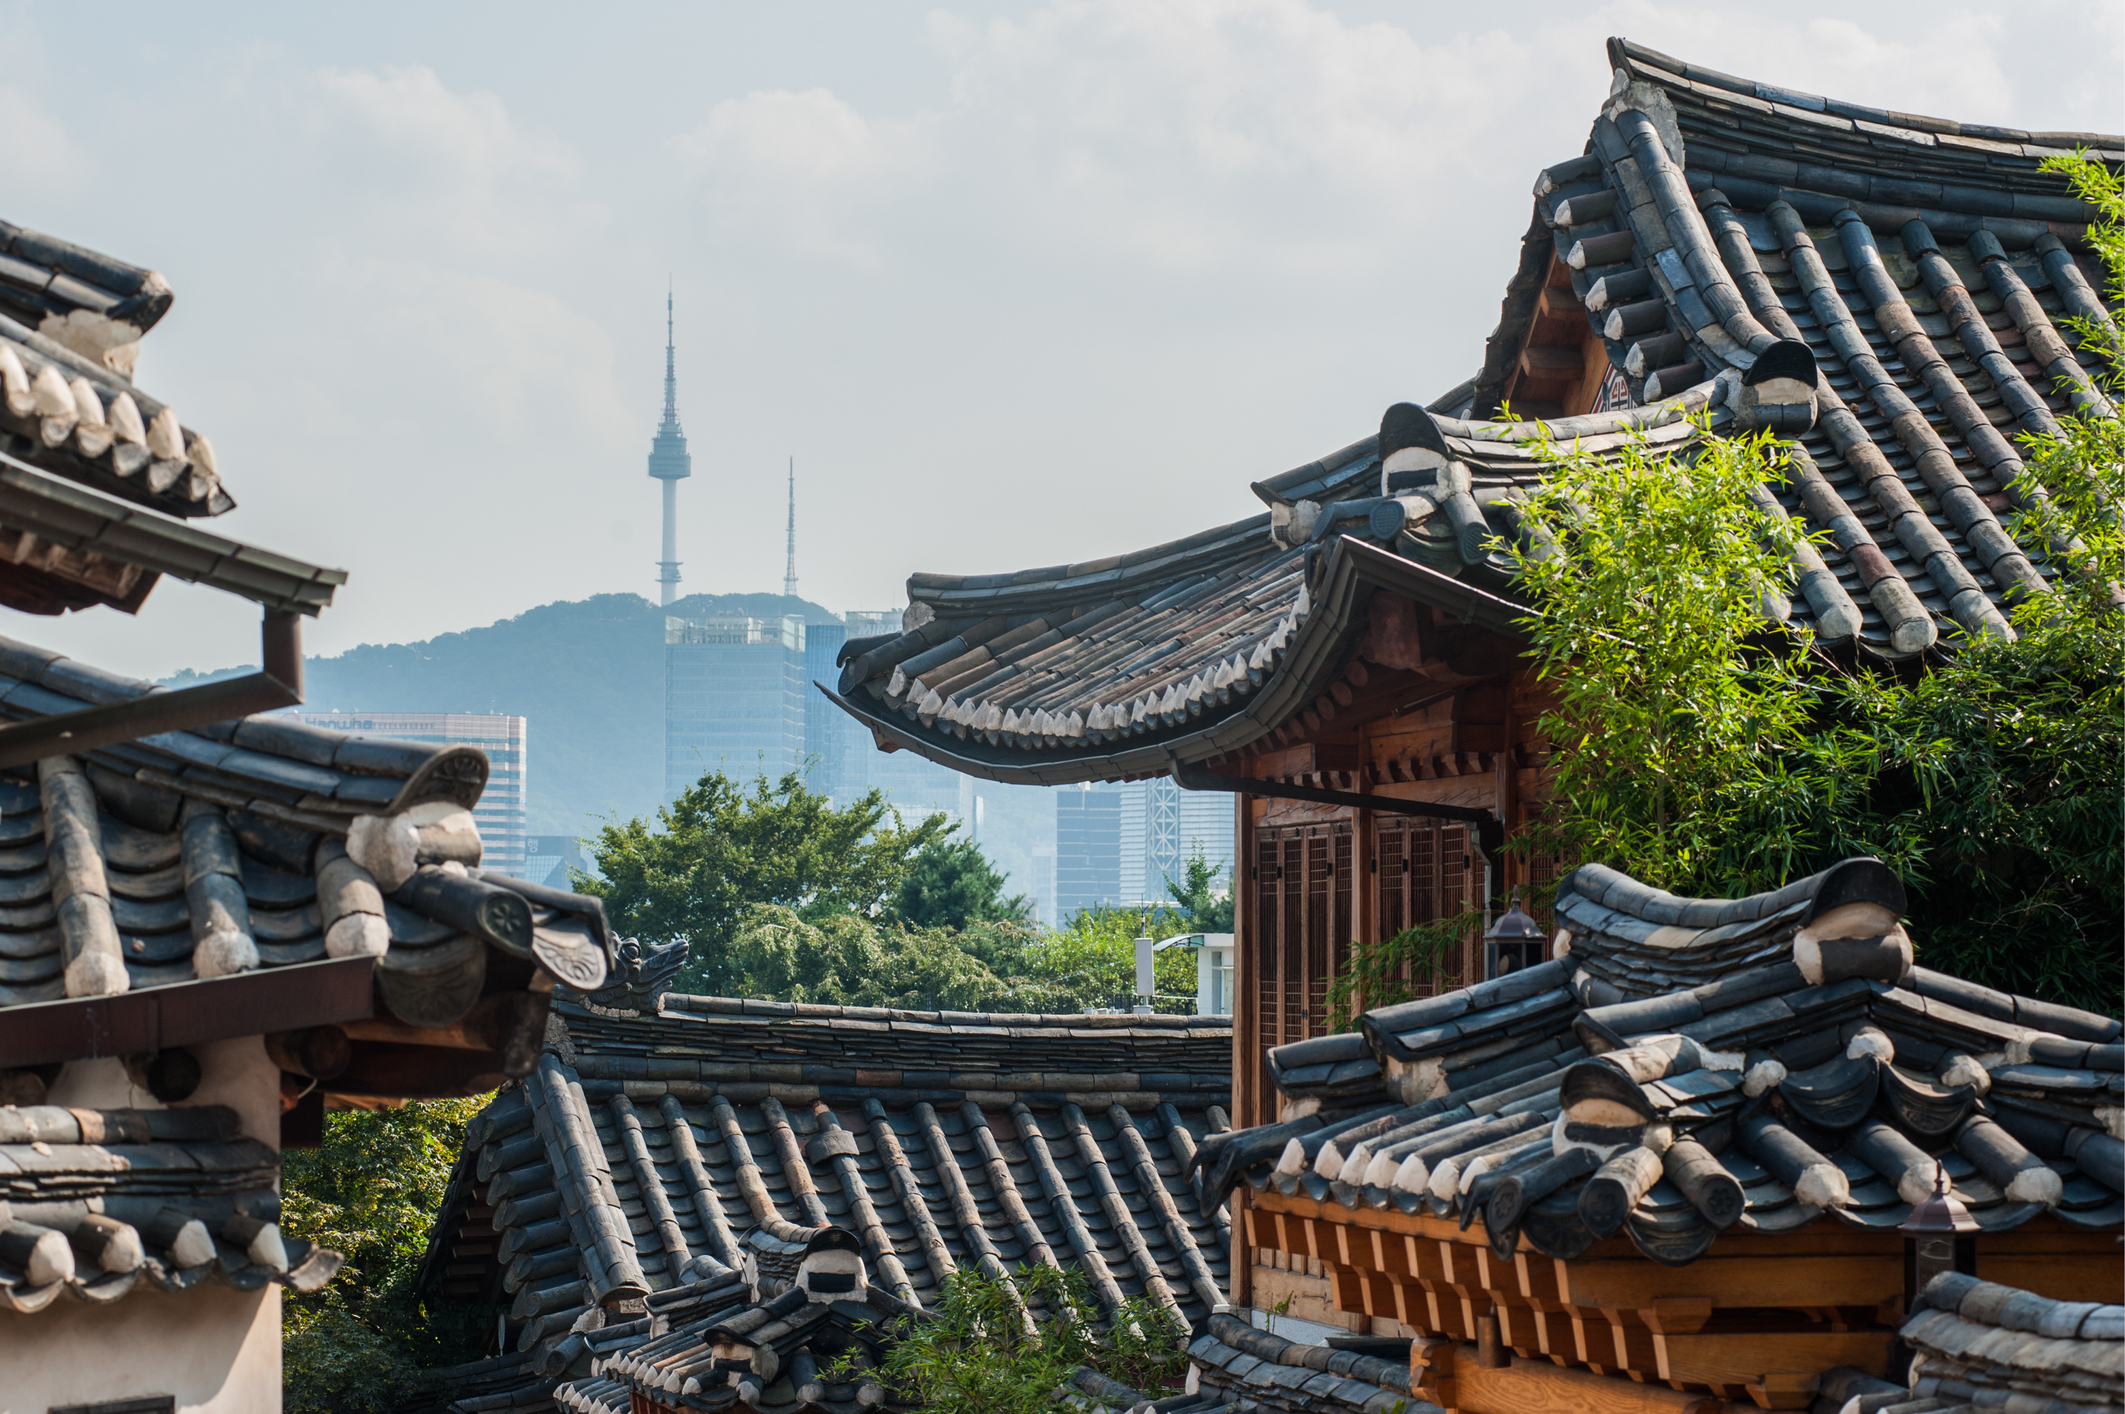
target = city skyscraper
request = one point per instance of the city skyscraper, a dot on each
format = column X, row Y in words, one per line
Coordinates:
column 1087, row 849
column 734, row 698
column 1161, row 828
column 670, row 463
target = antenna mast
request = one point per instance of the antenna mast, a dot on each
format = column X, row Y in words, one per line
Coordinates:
column 670, row 463
column 789, row 568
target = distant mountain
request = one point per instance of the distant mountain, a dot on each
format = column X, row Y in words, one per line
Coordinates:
column 589, row 676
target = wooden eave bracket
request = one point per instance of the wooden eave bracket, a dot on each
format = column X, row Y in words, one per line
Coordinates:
column 279, row 685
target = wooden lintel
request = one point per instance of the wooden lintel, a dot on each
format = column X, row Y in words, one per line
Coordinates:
column 1677, row 1315
column 1525, row 1385
column 1788, row 1281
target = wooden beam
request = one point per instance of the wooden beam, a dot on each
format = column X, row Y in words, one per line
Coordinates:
column 2063, row 1276
column 1758, row 1359
column 1524, row 1386
column 326, row 993
column 1789, row 1281
column 1553, row 362
column 1560, row 303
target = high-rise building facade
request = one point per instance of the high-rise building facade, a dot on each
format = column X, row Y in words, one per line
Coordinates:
column 1088, row 836
column 734, row 698
column 548, row 859
column 1161, row 828
column 826, row 735
column 500, row 813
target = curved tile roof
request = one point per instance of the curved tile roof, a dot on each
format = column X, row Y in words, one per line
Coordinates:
column 1928, row 266
column 1239, row 1367
column 94, row 1202
column 259, row 842
column 1980, row 1345
column 1918, row 273
column 646, row 1151
column 1687, row 1065
column 71, row 321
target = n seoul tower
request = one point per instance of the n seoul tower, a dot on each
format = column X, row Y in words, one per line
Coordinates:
column 670, row 463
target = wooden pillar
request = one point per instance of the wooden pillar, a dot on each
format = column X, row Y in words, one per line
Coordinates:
column 1512, row 873
column 1246, row 977
column 1320, row 929
column 1365, row 887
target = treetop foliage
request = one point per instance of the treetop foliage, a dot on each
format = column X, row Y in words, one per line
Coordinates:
column 950, row 884
column 778, row 893
column 1196, row 893
column 723, row 848
column 1700, row 750
column 371, row 1191
column 1649, row 574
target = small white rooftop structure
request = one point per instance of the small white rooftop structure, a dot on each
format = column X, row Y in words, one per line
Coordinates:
column 1213, row 969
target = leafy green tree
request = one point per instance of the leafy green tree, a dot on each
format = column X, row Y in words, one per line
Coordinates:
column 721, row 848
column 988, row 1350
column 1649, row 574
column 1095, row 956
column 371, row 1191
column 846, row 959
column 1391, row 970
column 949, row 884
column 2007, row 756
column 1209, row 909
column 1703, row 752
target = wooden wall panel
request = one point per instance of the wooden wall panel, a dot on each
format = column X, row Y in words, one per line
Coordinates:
column 1422, row 875
column 1301, row 901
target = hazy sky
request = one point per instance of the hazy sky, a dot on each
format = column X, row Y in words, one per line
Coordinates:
column 1015, row 284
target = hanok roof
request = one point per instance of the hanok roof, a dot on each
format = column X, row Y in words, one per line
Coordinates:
column 1915, row 276
column 765, row 1344
column 91, row 467
column 645, row 1149
column 1695, row 1064
column 71, row 321
column 1240, row 1367
column 209, row 858
column 1980, row 1345
column 92, row 1202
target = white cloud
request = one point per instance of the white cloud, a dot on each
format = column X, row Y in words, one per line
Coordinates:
column 802, row 166
column 1190, row 136
column 439, row 174
column 498, row 362
column 39, row 161
column 1266, row 135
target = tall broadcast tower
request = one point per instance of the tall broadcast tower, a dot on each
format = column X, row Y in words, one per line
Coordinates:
column 670, row 463
column 789, row 566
